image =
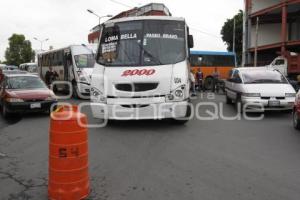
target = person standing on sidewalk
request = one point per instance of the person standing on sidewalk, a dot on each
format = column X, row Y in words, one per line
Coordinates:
column 216, row 76
column 193, row 83
column 199, row 77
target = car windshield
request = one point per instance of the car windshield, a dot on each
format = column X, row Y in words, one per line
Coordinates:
column 263, row 76
column 25, row 82
column 144, row 43
column 84, row 60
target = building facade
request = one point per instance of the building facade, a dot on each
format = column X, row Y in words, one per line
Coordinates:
column 271, row 28
column 152, row 9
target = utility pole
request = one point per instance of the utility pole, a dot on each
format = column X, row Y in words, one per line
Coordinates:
column 233, row 45
column 99, row 17
column 41, row 42
column 245, row 35
column 256, row 42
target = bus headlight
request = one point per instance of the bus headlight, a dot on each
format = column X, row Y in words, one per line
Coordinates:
column 177, row 94
column 97, row 95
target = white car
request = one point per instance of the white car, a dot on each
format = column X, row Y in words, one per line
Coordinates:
column 257, row 88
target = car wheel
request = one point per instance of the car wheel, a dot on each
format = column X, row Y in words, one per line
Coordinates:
column 5, row 113
column 296, row 120
column 239, row 105
column 228, row 100
column 52, row 108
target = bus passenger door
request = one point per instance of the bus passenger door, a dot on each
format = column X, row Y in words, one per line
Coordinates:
column 65, row 64
column 68, row 67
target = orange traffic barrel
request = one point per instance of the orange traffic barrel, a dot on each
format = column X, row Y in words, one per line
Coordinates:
column 68, row 155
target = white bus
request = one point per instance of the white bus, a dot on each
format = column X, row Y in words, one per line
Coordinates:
column 73, row 64
column 29, row 67
column 142, row 69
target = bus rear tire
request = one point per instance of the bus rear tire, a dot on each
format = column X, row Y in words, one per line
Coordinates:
column 209, row 83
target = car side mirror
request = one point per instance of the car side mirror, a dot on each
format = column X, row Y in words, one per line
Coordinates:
column 237, row 80
column 190, row 41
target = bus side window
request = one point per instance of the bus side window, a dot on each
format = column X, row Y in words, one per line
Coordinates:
column 199, row 60
column 60, row 58
column 279, row 62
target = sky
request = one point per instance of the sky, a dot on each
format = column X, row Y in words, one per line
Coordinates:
column 67, row 22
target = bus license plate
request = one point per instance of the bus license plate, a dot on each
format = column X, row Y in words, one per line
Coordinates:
column 274, row 103
column 35, row 105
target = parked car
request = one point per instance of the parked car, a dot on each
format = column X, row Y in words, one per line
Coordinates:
column 23, row 92
column 259, row 87
column 12, row 72
column 10, row 67
column 2, row 66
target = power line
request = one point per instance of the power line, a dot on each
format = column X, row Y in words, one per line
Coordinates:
column 206, row 33
column 123, row 4
column 136, row 3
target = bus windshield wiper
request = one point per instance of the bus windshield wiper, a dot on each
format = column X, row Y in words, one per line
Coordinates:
column 152, row 56
column 149, row 54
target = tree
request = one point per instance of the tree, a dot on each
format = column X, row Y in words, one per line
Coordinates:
column 227, row 34
column 19, row 50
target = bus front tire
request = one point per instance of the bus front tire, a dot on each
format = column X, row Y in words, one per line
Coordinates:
column 182, row 121
column 75, row 91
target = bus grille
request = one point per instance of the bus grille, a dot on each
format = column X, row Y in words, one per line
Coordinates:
column 136, row 87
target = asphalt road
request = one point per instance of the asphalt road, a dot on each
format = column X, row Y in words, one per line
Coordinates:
column 135, row 160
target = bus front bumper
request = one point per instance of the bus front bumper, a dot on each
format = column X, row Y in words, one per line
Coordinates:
column 156, row 111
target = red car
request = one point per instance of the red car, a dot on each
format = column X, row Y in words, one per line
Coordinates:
column 23, row 92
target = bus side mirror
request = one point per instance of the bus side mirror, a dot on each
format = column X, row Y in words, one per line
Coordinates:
column 190, row 41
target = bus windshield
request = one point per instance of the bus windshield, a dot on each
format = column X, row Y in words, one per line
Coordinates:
column 84, row 60
column 142, row 43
